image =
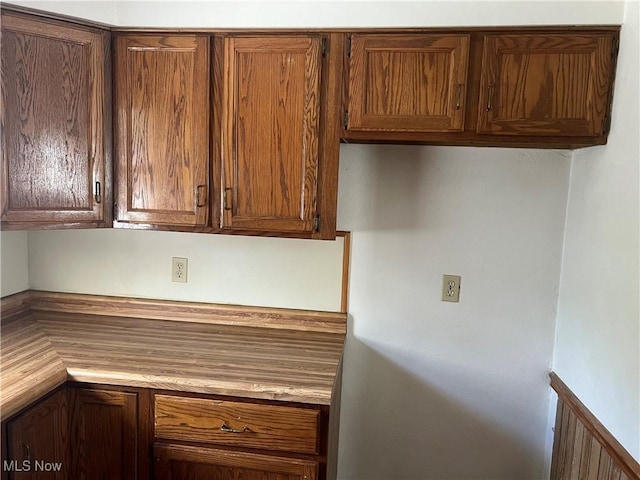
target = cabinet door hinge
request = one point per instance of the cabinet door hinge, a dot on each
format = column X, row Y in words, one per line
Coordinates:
column 349, row 46
column 345, row 119
column 316, row 223
column 324, row 47
column 615, row 47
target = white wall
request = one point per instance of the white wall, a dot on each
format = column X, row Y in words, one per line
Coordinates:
column 335, row 13
column 97, row 10
column 14, row 263
column 344, row 13
column 598, row 345
column 274, row 272
column 437, row 390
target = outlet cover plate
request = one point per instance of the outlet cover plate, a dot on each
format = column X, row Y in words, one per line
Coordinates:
column 451, row 288
column 179, row 269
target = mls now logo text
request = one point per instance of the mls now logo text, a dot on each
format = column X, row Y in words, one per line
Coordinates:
column 28, row 466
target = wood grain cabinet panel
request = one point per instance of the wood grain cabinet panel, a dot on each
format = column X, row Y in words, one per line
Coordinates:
column 271, row 121
column 181, row 462
column 80, row 434
column 545, row 84
column 239, row 424
column 55, row 123
column 407, row 83
column 37, row 441
column 104, row 432
column 162, row 129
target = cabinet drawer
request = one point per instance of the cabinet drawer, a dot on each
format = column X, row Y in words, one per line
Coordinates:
column 239, row 424
column 188, row 462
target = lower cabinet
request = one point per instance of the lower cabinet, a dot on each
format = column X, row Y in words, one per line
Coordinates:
column 231, row 440
column 77, row 434
column 185, row 462
column 239, row 424
column 104, row 434
column 112, row 433
column 37, row 441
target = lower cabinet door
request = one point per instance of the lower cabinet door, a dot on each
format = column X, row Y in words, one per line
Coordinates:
column 36, row 442
column 183, row 462
column 104, row 431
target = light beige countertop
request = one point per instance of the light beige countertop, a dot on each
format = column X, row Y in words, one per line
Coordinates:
column 29, row 366
column 44, row 348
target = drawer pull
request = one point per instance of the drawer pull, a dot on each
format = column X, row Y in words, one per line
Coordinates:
column 226, row 201
column 227, row 429
column 201, row 199
column 458, row 95
column 27, row 451
column 489, row 98
column 98, row 194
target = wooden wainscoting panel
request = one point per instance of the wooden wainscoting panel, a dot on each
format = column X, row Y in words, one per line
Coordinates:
column 583, row 448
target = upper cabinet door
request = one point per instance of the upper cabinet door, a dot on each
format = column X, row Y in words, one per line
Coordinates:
column 408, row 83
column 270, row 132
column 54, row 119
column 162, row 129
column 545, row 84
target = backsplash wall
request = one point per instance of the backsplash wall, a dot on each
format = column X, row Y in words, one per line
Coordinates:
column 14, row 263
column 274, row 272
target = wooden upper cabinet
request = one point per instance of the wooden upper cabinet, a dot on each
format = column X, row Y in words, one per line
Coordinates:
column 54, row 121
column 270, row 132
column 546, row 84
column 407, row 83
column 162, row 129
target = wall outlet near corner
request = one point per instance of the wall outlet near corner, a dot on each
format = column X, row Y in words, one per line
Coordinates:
column 179, row 269
column 451, row 288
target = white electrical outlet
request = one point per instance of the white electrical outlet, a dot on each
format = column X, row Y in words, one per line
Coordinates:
column 179, row 269
column 451, row 288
